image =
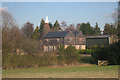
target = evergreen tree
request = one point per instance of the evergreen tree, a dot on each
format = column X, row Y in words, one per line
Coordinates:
column 97, row 29
column 50, row 25
column 36, row 30
column 36, row 33
column 109, row 29
column 41, row 25
column 56, row 26
column 87, row 29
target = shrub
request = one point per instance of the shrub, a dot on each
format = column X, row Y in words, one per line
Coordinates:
column 110, row 53
column 87, row 59
column 68, row 55
column 13, row 61
column 71, row 55
column 61, row 55
column 85, row 51
column 99, row 54
column 31, row 46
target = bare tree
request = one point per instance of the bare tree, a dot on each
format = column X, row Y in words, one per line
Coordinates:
column 119, row 12
column 7, row 24
column 63, row 25
column 7, row 19
column 116, row 18
column 78, row 27
column 71, row 27
column 12, row 37
column 28, row 29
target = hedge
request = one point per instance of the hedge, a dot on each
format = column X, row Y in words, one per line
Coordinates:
column 85, row 51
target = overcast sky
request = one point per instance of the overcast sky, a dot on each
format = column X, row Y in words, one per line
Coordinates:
column 71, row 12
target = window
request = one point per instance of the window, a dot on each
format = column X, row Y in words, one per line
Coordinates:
column 46, row 48
column 80, row 47
column 50, row 48
column 53, row 48
column 58, row 39
column 70, row 39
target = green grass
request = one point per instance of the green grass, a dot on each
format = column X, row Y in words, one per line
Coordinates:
column 64, row 72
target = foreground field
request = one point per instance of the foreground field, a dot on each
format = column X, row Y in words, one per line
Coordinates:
column 64, row 72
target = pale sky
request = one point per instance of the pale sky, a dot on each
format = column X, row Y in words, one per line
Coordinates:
column 71, row 12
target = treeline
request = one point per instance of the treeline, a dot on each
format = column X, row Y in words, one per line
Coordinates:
column 85, row 28
column 15, row 39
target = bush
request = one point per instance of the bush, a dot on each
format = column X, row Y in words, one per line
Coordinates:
column 13, row 61
column 71, row 55
column 99, row 54
column 87, row 59
column 61, row 55
column 31, row 46
column 68, row 55
column 110, row 53
column 85, row 51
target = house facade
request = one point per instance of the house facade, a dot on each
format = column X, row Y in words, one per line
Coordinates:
column 53, row 40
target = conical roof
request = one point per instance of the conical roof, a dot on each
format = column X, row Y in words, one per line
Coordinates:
column 46, row 28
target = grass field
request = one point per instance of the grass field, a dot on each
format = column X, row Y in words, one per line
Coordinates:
column 64, row 72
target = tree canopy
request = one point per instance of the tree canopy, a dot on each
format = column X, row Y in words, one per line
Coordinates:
column 56, row 26
column 36, row 33
column 50, row 25
column 41, row 25
column 28, row 29
column 87, row 29
column 109, row 29
column 71, row 27
column 97, row 29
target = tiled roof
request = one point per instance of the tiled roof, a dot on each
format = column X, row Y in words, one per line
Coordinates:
column 59, row 34
column 56, row 34
column 75, row 32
